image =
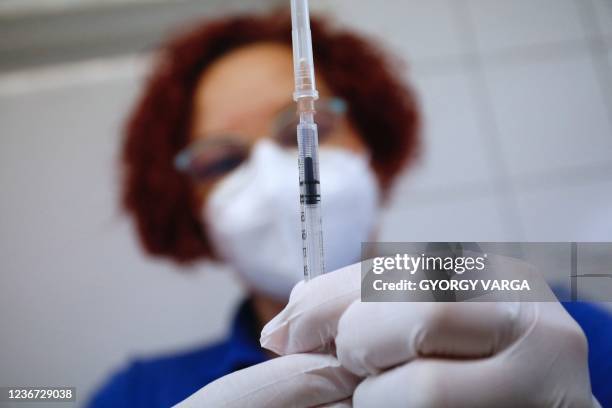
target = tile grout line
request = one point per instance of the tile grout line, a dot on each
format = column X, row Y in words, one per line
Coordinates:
column 527, row 183
column 598, row 52
column 508, row 207
column 519, row 55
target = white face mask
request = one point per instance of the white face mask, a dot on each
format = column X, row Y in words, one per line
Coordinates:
column 253, row 215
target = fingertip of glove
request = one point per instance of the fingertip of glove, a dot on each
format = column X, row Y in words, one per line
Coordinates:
column 271, row 344
column 271, row 340
column 287, row 332
column 274, row 335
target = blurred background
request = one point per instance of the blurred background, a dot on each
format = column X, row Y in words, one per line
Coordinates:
column 517, row 96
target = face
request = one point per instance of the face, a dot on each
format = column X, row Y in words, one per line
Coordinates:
column 243, row 93
column 244, row 161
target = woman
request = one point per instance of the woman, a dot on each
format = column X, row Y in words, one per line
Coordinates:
column 210, row 172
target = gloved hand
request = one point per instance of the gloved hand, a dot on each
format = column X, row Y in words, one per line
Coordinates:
column 299, row 380
column 424, row 354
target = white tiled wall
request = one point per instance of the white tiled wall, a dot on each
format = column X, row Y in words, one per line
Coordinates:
column 603, row 11
column 580, row 212
column 518, row 131
column 472, row 218
column 550, row 114
column 401, row 24
column 456, row 143
column 504, row 25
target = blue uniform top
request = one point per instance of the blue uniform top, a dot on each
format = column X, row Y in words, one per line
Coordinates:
column 165, row 381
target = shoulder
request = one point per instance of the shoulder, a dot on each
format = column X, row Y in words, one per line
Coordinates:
column 161, row 381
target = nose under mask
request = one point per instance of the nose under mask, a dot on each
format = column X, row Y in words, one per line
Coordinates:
column 253, row 215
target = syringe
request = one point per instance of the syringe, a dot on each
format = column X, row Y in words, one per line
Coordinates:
column 307, row 137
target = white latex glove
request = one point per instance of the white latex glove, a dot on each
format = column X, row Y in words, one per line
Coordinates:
column 298, row 380
column 512, row 354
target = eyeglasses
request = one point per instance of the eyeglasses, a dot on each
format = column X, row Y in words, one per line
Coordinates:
column 217, row 155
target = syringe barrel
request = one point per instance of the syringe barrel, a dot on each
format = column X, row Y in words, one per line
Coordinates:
column 303, row 62
column 314, row 264
column 310, row 200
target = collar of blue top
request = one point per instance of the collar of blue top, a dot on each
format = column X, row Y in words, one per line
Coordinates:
column 243, row 348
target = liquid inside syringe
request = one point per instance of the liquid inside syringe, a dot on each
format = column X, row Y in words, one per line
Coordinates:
column 310, row 196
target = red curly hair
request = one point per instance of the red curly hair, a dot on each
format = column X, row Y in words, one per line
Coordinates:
column 163, row 202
